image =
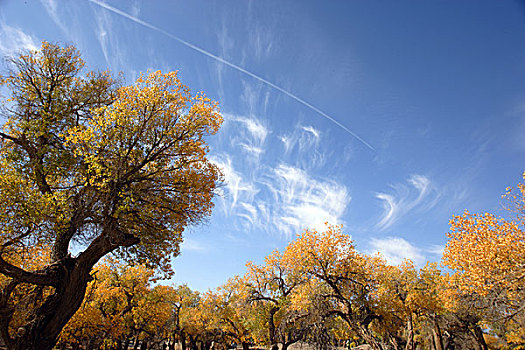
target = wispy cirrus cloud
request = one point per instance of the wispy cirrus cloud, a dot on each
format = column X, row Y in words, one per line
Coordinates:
column 261, row 40
column 302, row 137
column 52, row 7
column 237, row 189
column 13, row 40
column 396, row 249
column 282, row 200
column 304, row 201
column 114, row 54
column 250, row 134
column 234, row 66
column 283, row 197
column 302, row 144
column 405, row 197
column 190, row 244
column 67, row 18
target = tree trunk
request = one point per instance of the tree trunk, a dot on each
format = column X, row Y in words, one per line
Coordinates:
column 136, row 344
column 245, row 346
column 42, row 331
column 369, row 338
column 183, row 341
column 394, row 342
column 410, row 334
column 436, row 337
column 478, row 334
column 271, row 329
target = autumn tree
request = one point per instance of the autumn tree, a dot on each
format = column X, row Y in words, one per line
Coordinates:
column 119, row 170
column 231, row 312
column 183, row 302
column 121, row 308
column 270, row 287
column 331, row 258
column 412, row 305
column 487, row 254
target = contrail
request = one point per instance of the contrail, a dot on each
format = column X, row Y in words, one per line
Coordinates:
column 232, row 65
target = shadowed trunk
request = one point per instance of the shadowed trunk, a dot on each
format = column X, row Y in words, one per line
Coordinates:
column 410, row 334
column 478, row 334
column 271, row 329
column 436, row 337
column 42, row 331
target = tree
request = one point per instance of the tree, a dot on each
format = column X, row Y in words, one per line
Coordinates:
column 270, row 287
column 119, row 170
column 488, row 255
column 120, row 308
column 230, row 311
column 331, row 258
column 184, row 303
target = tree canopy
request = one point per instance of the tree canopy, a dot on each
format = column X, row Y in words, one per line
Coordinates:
column 111, row 168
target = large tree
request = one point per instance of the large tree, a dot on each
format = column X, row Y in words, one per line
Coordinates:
column 84, row 161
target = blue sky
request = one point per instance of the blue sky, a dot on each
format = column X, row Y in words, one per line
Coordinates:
column 385, row 116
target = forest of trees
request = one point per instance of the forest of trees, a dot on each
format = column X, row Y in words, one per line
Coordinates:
column 320, row 290
column 120, row 171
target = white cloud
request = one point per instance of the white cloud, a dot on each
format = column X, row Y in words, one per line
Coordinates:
column 13, row 40
column 51, row 7
column 110, row 46
column 250, row 134
column 312, row 130
column 262, row 41
column 436, row 250
column 282, row 200
column 395, row 250
column 256, row 129
column 135, row 9
column 302, row 139
column 238, row 190
column 304, row 201
column 189, row 244
column 405, row 198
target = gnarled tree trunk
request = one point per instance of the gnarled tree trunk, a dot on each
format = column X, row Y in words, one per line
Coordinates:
column 42, row 331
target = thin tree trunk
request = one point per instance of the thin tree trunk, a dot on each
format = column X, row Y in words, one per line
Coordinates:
column 436, row 337
column 271, row 329
column 410, row 334
column 369, row 338
column 183, row 342
column 136, row 344
column 478, row 334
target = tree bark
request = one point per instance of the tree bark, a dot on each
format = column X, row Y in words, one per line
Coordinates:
column 436, row 337
column 410, row 334
column 478, row 334
column 271, row 329
column 42, row 331
column 369, row 338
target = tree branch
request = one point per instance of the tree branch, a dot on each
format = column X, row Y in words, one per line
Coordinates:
column 46, row 277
